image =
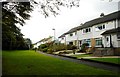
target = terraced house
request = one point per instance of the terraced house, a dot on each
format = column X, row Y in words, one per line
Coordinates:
column 100, row 32
column 43, row 41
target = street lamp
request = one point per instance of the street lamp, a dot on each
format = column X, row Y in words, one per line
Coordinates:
column 54, row 33
column 54, row 37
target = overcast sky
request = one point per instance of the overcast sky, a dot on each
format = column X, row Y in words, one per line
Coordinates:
column 39, row 27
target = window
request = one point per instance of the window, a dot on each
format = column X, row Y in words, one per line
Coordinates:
column 103, row 26
column 71, row 43
column 87, row 41
column 107, row 39
column 86, row 30
column 62, row 38
column 98, row 41
column 71, row 34
column 118, row 36
column 100, row 27
column 76, row 33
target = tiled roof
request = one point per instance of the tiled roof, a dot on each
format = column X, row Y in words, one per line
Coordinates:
column 109, row 17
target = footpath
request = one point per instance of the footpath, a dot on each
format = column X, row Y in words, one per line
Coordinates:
column 101, row 65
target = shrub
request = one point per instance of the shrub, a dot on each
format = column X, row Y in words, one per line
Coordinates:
column 45, row 49
column 42, row 46
column 84, row 47
column 71, row 47
column 74, row 47
column 50, row 51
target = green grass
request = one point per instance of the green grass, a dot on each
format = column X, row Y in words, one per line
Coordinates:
column 110, row 60
column 82, row 55
column 34, row 63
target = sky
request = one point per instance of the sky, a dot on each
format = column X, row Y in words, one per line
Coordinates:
column 39, row 27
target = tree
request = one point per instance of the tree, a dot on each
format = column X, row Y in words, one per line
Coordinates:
column 12, row 14
column 29, row 43
column 52, row 7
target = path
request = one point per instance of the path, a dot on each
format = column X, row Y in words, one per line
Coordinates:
column 93, row 64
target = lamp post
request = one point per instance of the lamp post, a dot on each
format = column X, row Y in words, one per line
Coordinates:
column 54, row 33
column 54, row 38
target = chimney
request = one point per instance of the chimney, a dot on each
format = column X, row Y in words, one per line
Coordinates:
column 102, row 15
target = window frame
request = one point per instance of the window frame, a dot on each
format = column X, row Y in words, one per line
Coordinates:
column 71, row 34
column 118, row 36
column 86, row 30
column 98, row 41
column 100, row 27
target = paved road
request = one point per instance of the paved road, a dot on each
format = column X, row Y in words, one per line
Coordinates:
column 93, row 64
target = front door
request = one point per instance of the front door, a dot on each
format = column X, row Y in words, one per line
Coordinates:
column 107, row 41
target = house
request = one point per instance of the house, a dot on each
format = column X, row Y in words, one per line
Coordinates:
column 43, row 41
column 62, row 39
column 100, row 32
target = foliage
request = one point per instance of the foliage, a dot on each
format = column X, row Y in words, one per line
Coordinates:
column 71, row 47
column 42, row 46
column 14, row 13
column 51, row 47
column 52, row 7
column 29, row 43
column 45, row 49
column 84, row 47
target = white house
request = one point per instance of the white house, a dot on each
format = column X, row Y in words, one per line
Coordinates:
column 43, row 41
column 102, row 31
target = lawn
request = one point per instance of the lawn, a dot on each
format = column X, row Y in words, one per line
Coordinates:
column 33, row 63
column 110, row 60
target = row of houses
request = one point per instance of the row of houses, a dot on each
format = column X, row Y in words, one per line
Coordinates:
column 43, row 41
column 100, row 32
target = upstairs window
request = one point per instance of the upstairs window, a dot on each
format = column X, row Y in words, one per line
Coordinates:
column 118, row 36
column 100, row 27
column 76, row 33
column 87, row 30
column 62, row 38
column 71, row 34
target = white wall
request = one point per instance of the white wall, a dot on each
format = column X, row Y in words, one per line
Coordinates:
column 114, row 40
column 71, row 38
column 82, row 35
column 108, row 26
column 62, row 40
column 94, row 34
column 119, row 23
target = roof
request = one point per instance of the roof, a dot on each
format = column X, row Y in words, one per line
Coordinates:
column 63, row 35
column 44, row 39
column 115, row 30
column 109, row 17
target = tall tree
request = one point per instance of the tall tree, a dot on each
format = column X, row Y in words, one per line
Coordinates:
column 16, row 12
column 12, row 14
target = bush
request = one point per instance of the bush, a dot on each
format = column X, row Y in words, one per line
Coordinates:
column 84, row 47
column 71, row 47
column 42, row 46
column 45, row 49
column 74, row 47
column 50, row 51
